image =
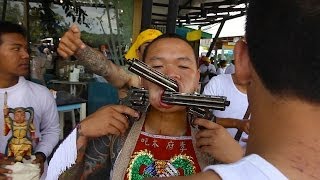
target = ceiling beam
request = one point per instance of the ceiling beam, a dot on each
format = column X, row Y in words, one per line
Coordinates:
column 210, row 21
column 226, row 2
column 220, row 10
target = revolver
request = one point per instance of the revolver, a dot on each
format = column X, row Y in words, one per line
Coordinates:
column 137, row 99
column 198, row 106
column 147, row 72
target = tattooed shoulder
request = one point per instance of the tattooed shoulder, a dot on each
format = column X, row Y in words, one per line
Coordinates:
column 97, row 157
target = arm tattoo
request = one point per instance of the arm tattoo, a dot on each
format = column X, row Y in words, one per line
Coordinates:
column 73, row 172
column 94, row 61
column 81, row 145
column 97, row 158
column 97, row 63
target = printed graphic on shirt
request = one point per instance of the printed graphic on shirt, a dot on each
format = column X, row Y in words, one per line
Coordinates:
column 20, row 122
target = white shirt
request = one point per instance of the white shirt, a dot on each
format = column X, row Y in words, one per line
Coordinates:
column 252, row 167
column 221, row 70
column 230, row 69
column 204, row 68
column 46, row 121
column 222, row 85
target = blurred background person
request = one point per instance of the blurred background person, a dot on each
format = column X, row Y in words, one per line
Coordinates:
column 230, row 68
column 222, row 67
column 207, row 71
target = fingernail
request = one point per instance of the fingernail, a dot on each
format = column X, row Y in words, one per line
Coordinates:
column 136, row 114
column 10, row 172
column 82, row 46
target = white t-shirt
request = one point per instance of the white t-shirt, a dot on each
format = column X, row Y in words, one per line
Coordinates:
column 222, row 85
column 230, row 69
column 204, row 68
column 46, row 120
column 252, row 167
column 221, row 70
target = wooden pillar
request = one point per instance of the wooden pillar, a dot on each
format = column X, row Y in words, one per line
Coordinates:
column 172, row 16
column 146, row 14
column 136, row 22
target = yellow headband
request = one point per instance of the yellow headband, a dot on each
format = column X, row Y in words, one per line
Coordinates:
column 144, row 36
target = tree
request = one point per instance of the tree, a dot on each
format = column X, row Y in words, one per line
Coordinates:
column 13, row 12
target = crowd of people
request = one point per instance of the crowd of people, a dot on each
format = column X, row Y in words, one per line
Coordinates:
column 269, row 131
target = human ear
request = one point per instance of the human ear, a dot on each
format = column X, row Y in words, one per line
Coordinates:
column 139, row 54
column 243, row 68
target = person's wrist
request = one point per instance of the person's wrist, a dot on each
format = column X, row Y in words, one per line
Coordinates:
column 238, row 124
column 41, row 156
column 81, row 131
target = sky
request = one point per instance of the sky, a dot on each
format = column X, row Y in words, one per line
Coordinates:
column 233, row 27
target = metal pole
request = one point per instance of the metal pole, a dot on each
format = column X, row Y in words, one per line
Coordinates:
column 172, row 15
column 146, row 14
column 214, row 40
column 4, row 9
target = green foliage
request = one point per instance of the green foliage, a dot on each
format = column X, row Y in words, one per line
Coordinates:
column 13, row 12
column 94, row 40
column 74, row 11
column 126, row 19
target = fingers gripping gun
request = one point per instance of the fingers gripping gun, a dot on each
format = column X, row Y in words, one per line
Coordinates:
column 198, row 106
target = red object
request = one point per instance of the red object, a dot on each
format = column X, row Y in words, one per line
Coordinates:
column 165, row 148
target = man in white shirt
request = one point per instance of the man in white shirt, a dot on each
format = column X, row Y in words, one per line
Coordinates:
column 14, row 65
column 285, row 107
column 231, row 86
column 230, row 68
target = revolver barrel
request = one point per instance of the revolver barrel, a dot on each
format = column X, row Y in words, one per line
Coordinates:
column 143, row 70
column 196, row 100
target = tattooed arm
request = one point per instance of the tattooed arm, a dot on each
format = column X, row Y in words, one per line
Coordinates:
column 93, row 155
column 94, row 163
column 99, row 64
column 95, row 61
column 97, row 159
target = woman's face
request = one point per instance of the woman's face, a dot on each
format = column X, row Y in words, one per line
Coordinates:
column 175, row 58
